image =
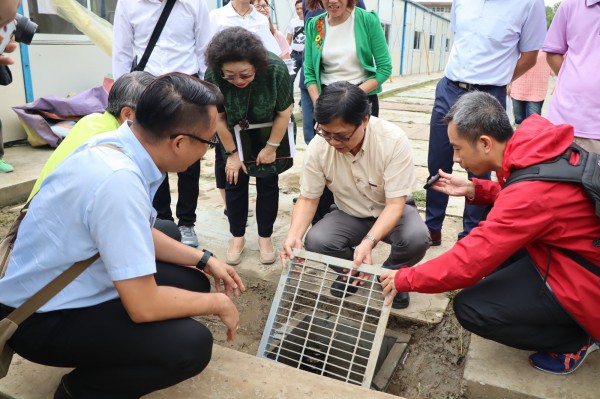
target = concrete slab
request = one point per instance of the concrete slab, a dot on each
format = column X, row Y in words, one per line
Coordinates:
column 27, row 161
column 230, row 375
column 495, row 371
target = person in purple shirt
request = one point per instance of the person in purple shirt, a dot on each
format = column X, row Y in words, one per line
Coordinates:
column 573, row 52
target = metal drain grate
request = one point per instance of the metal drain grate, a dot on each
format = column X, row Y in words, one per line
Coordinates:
column 310, row 329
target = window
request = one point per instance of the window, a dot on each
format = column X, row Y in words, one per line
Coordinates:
column 447, row 45
column 417, row 42
column 43, row 13
column 431, row 42
column 386, row 32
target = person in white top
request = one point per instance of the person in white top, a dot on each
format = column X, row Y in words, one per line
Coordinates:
column 242, row 13
column 180, row 48
column 296, row 38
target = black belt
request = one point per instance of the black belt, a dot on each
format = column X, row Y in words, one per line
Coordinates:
column 471, row 86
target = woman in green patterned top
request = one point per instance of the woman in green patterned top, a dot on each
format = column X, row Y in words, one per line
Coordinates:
column 256, row 88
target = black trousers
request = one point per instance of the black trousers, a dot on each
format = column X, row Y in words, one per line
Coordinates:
column 113, row 357
column 188, row 187
column 267, row 204
column 513, row 306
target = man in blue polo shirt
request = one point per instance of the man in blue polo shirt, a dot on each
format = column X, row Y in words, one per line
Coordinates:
column 495, row 42
column 124, row 324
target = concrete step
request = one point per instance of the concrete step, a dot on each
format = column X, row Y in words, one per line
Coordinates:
column 495, row 371
column 230, row 375
column 28, row 161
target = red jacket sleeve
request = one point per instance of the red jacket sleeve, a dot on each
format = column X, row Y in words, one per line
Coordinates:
column 517, row 218
column 486, row 192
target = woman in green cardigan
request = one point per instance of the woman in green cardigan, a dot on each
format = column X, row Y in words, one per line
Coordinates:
column 346, row 44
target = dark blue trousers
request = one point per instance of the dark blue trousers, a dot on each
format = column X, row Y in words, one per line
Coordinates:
column 440, row 156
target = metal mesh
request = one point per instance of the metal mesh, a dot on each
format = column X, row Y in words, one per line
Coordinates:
column 310, row 329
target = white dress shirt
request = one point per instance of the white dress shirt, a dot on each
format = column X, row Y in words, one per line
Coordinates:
column 180, row 47
column 255, row 22
column 489, row 35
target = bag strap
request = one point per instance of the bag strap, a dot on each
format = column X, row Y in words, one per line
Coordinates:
column 31, row 305
column 50, row 290
column 156, row 34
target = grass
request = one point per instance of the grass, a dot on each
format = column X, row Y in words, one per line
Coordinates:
column 419, row 197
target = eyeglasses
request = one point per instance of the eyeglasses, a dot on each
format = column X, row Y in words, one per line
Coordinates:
column 262, row 7
column 211, row 143
column 342, row 138
column 243, row 76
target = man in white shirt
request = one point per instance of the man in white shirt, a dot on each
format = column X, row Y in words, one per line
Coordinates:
column 180, row 48
column 242, row 13
column 296, row 38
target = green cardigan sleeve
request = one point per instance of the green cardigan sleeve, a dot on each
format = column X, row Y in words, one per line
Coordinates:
column 311, row 52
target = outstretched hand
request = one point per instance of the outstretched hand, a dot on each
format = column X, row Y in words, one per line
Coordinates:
column 456, row 186
column 225, row 274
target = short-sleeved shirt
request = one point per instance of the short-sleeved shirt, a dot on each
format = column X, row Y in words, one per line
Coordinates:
column 88, row 127
column 296, row 29
column 99, row 200
column 255, row 22
column 383, row 168
column 489, row 35
column 259, row 102
column 575, row 30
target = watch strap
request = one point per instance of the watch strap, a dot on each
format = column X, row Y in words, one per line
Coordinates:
column 228, row 153
column 371, row 238
column 204, row 259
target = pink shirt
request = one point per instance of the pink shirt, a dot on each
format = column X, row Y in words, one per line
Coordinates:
column 533, row 84
column 576, row 100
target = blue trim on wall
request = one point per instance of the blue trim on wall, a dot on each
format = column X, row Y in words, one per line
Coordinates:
column 403, row 39
column 26, row 67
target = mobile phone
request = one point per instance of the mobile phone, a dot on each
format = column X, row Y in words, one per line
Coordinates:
column 431, row 181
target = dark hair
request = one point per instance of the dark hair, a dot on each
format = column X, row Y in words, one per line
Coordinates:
column 312, row 5
column 175, row 102
column 236, row 44
column 126, row 91
column 478, row 113
column 342, row 100
column 297, row 2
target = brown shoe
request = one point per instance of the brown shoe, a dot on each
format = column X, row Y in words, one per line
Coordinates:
column 436, row 238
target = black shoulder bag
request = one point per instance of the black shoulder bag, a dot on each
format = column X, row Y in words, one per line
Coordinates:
column 154, row 38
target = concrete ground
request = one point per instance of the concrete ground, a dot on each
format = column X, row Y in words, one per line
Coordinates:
column 492, row 370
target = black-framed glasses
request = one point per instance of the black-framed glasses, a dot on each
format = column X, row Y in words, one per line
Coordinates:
column 342, row 138
column 211, row 143
column 243, row 76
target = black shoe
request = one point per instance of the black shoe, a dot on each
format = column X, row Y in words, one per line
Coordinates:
column 436, row 238
column 341, row 288
column 62, row 392
column 401, row 300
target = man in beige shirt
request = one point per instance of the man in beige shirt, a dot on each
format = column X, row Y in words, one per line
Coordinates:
column 367, row 163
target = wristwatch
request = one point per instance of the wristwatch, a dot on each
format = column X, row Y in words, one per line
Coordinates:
column 228, row 153
column 370, row 238
column 204, row 259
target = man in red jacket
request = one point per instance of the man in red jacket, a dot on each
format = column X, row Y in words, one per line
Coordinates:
column 523, row 290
